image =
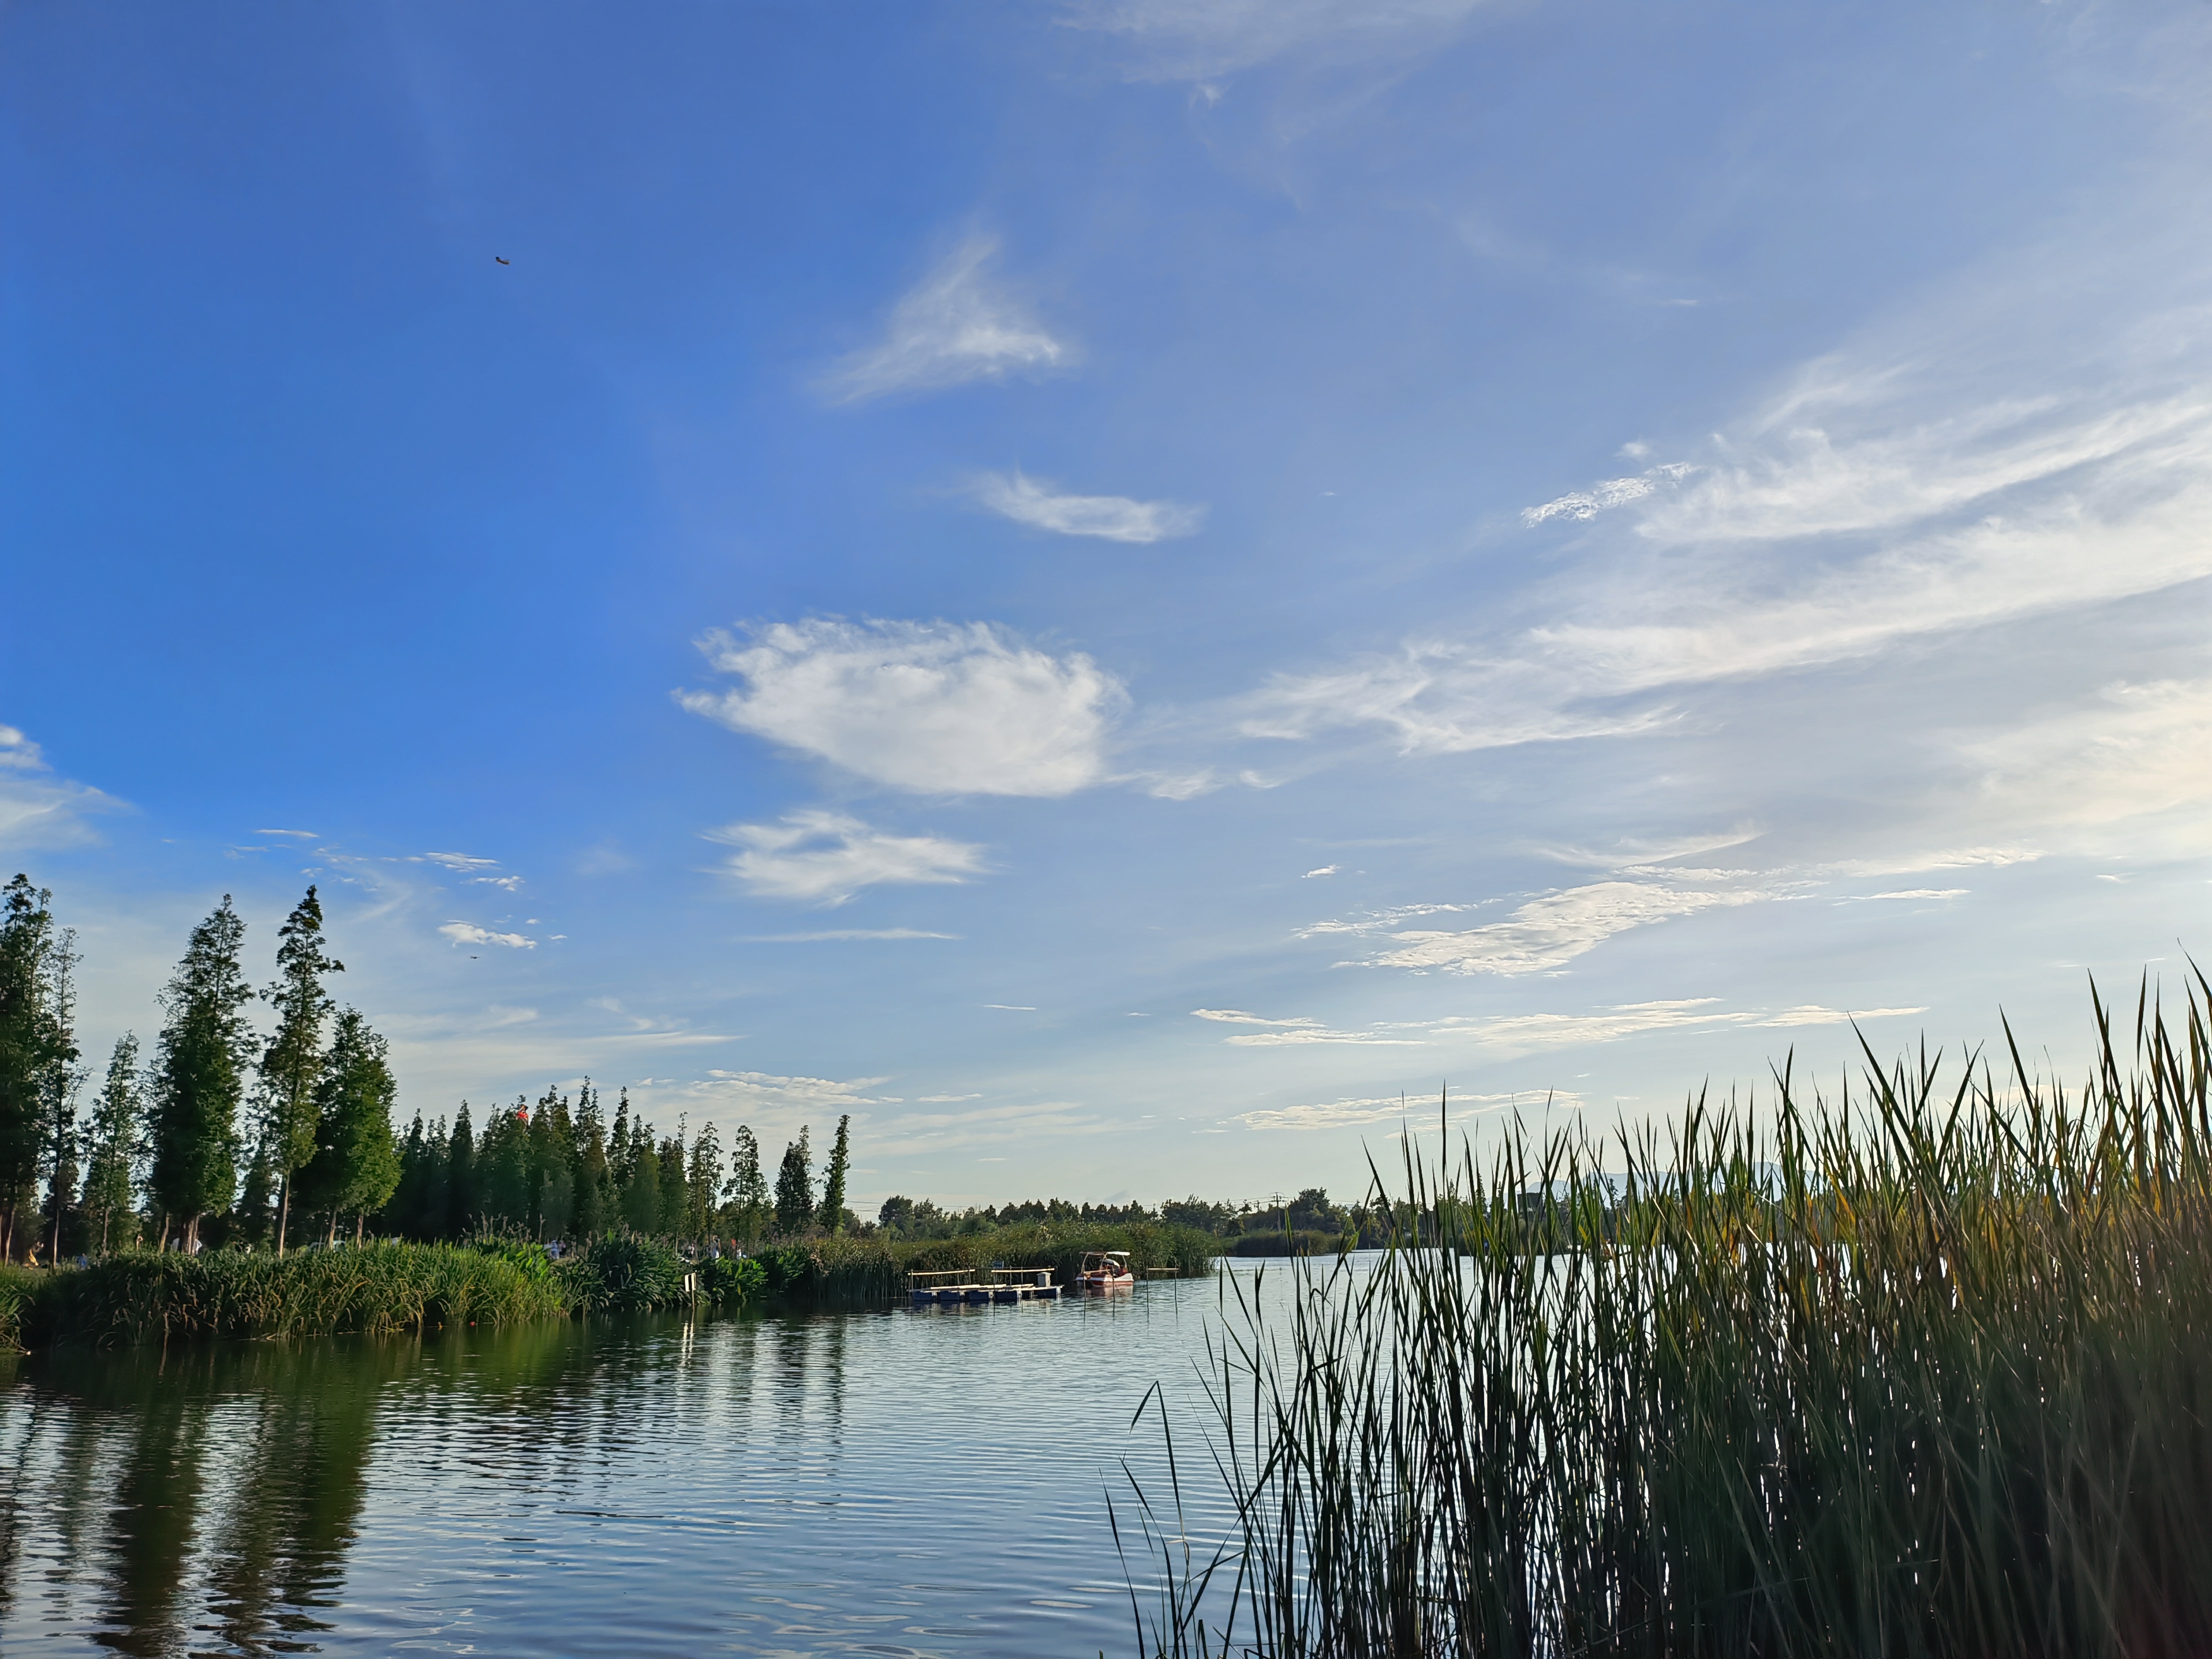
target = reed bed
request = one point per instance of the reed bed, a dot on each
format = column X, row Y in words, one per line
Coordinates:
column 1926, row 1370
column 140, row 1296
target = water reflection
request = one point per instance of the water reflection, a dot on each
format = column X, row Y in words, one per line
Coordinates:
column 884, row 1483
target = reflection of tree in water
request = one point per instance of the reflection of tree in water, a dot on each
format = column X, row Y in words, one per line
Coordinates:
column 209, row 1493
column 276, row 1553
column 206, row 1499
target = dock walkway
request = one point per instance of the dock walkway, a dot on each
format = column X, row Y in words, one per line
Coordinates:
column 1008, row 1284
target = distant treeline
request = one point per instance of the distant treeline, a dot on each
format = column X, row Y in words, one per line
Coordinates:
column 227, row 1134
column 1277, row 1226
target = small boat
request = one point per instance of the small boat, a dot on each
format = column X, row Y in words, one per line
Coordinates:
column 1105, row 1270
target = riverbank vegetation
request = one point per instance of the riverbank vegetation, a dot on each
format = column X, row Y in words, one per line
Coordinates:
column 1917, row 1370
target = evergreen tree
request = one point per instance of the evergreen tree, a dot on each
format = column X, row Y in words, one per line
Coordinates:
column 108, row 1184
column 704, row 1184
column 503, row 1181
column 552, row 1156
column 460, row 1178
column 675, row 1190
column 57, row 1095
column 833, row 1186
column 35, row 1040
column 594, row 1196
column 795, row 1186
column 292, row 1065
column 206, row 1048
column 356, row 1164
column 748, row 1187
column 254, row 1218
column 404, row 1207
column 619, row 1146
column 640, row 1193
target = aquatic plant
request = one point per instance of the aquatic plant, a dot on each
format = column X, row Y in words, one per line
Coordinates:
column 141, row 1296
column 1920, row 1371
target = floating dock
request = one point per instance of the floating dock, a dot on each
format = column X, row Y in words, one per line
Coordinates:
column 1010, row 1285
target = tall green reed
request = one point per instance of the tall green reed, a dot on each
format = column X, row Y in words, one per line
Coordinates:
column 1924, row 1370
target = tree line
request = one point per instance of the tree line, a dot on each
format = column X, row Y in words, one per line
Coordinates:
column 225, row 1134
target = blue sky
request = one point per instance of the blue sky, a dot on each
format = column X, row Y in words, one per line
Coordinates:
column 1113, row 587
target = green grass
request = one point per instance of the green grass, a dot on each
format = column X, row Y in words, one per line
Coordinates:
column 1924, row 1372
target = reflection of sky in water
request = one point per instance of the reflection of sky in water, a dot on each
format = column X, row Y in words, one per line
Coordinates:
column 895, row 1483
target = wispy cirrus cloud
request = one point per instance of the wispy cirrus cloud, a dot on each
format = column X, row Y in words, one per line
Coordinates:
column 1294, row 1033
column 1893, row 493
column 460, row 863
column 934, row 708
column 37, row 809
column 1038, row 504
column 1543, row 935
column 956, row 325
column 1508, row 1036
column 826, row 857
column 1353, row 1112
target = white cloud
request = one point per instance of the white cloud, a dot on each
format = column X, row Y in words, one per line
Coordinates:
column 1890, row 495
column 1112, row 518
column 1326, row 870
column 1391, row 1109
column 1441, row 696
column 1813, row 1014
column 1197, row 40
column 1545, row 933
column 1633, row 853
column 1522, row 1034
column 301, row 834
column 828, row 857
column 467, row 932
column 766, row 1099
column 1294, row 1033
column 846, row 933
column 1585, row 505
column 37, row 809
column 2139, row 750
column 953, row 327
column 939, row 708
column 1947, row 858
column 507, row 883
column 458, row 861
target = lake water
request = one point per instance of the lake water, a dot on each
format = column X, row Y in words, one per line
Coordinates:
column 903, row 1483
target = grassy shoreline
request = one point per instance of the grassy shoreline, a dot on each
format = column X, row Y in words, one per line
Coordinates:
column 141, row 1296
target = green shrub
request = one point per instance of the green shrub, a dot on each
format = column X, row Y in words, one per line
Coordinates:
column 733, row 1282
column 621, row 1273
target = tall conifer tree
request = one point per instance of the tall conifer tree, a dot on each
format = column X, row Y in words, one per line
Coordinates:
column 594, row 1203
column 795, row 1186
column 748, row 1186
column 206, row 1048
column 58, row 1094
column 356, row 1164
column 35, row 1040
column 460, row 1177
column 833, row 1186
column 115, row 1120
column 292, row 1065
